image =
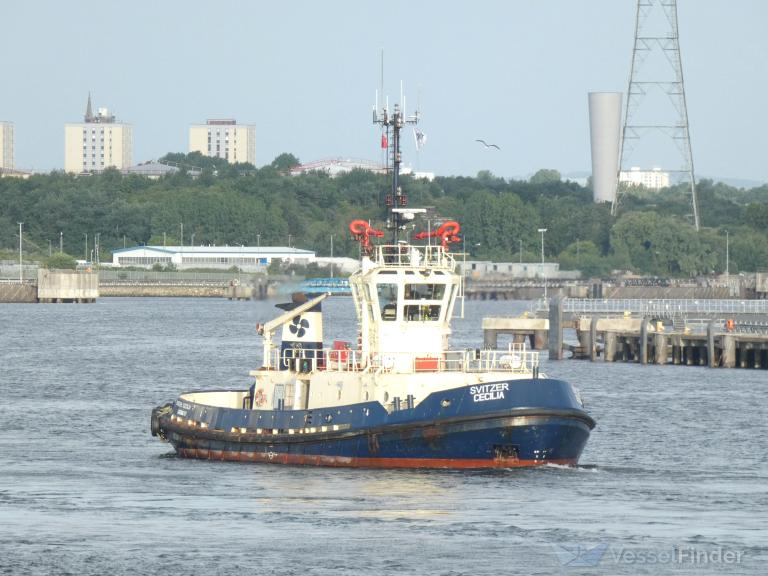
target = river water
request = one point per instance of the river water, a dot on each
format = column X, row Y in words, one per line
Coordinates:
column 675, row 476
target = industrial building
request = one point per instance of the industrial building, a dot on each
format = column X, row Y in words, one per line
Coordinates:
column 605, row 132
column 335, row 166
column 247, row 258
column 477, row 269
column 99, row 142
column 224, row 139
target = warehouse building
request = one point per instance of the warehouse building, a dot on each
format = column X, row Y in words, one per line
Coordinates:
column 247, row 258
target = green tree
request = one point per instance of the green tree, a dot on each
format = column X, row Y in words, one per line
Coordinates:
column 585, row 256
column 61, row 261
column 545, row 175
column 284, row 162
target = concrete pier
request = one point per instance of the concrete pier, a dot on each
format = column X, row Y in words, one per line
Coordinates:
column 53, row 286
column 238, row 292
column 67, row 286
column 535, row 330
column 715, row 348
column 639, row 340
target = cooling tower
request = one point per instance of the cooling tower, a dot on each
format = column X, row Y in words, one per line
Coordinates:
column 604, row 129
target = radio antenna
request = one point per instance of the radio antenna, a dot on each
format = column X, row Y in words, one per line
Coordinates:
column 396, row 199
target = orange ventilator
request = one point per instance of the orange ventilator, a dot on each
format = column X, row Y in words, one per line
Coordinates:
column 362, row 232
column 448, row 233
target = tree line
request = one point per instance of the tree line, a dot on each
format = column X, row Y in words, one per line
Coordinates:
column 220, row 204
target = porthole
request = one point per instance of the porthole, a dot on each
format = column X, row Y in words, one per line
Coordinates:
column 386, row 397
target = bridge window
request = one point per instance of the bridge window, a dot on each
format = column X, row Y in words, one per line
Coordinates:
column 422, row 313
column 424, row 291
column 387, row 294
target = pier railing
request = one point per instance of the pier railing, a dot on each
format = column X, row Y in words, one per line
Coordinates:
column 660, row 308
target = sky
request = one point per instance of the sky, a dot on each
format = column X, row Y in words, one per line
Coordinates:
column 305, row 73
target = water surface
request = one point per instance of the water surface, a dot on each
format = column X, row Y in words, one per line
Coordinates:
column 677, row 462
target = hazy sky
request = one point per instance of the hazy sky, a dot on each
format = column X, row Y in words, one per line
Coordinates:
column 515, row 72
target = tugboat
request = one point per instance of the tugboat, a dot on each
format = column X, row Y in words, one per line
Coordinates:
column 399, row 398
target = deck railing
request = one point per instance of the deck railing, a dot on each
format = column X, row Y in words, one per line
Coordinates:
column 516, row 359
column 409, row 255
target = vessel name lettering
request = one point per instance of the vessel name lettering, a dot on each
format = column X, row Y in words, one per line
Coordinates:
column 183, row 405
column 488, row 392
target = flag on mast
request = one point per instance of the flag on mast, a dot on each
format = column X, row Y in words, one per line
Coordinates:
column 384, row 143
column 420, row 139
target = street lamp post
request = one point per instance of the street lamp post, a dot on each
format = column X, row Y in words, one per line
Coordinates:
column 331, row 255
column 727, row 257
column 61, row 241
column 541, row 231
column 21, row 262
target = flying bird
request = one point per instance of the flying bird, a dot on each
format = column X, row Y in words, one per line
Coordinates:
column 484, row 143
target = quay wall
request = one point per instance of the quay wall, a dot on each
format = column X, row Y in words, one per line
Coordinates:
column 158, row 290
column 18, row 293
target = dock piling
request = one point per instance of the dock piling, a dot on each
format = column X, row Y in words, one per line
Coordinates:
column 555, row 328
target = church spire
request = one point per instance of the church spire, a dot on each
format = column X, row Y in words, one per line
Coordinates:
column 89, row 110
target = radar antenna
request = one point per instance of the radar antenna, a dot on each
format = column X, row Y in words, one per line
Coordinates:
column 396, row 198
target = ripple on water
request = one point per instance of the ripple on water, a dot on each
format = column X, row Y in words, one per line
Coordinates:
column 676, row 458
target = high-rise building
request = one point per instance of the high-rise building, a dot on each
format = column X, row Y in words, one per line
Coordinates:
column 99, row 142
column 6, row 145
column 224, row 139
column 653, row 179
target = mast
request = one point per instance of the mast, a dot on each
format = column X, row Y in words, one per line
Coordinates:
column 396, row 198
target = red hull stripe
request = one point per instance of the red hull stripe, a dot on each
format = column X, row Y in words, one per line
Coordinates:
column 344, row 461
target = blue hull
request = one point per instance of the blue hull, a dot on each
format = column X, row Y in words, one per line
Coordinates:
column 504, row 424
